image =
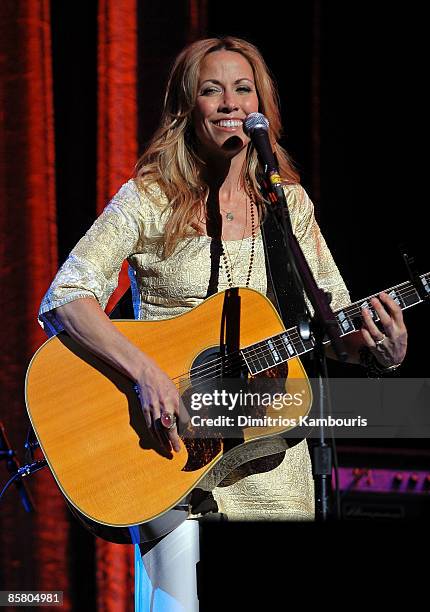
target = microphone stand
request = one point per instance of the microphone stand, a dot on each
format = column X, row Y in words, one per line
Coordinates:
column 322, row 324
column 17, row 472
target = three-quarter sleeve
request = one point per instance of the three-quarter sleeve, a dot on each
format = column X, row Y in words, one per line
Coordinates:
column 315, row 249
column 93, row 266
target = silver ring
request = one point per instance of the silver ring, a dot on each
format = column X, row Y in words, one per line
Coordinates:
column 168, row 420
column 377, row 342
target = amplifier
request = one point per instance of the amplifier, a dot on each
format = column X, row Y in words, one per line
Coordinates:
column 388, row 494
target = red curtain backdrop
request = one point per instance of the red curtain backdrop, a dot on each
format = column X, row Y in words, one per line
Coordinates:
column 117, row 104
column 39, row 551
column 34, row 548
column 116, row 156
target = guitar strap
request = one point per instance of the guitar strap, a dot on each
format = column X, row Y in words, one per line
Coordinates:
column 281, row 290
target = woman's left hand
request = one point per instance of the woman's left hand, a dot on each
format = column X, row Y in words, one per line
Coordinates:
column 389, row 346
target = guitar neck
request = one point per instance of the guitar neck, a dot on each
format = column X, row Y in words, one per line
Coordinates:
column 278, row 349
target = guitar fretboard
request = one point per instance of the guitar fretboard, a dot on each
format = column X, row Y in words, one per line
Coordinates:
column 278, row 349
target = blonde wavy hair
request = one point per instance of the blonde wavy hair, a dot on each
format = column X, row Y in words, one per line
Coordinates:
column 171, row 159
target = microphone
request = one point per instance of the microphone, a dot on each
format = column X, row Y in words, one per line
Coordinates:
column 256, row 127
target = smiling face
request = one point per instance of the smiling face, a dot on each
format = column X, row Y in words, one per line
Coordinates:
column 226, row 95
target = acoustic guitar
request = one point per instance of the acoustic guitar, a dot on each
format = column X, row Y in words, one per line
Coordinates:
column 88, row 419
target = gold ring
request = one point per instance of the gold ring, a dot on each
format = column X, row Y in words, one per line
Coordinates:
column 381, row 340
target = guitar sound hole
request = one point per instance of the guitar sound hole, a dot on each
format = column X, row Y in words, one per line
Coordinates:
column 212, row 365
column 209, row 372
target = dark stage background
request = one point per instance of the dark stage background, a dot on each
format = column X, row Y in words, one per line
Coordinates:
column 81, row 92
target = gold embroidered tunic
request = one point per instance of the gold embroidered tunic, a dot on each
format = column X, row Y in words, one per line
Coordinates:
column 258, row 480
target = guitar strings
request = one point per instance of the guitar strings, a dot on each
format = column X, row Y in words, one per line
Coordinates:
column 357, row 309
column 215, row 365
column 293, row 335
column 234, row 364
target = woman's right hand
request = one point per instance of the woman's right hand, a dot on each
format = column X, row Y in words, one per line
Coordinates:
column 160, row 404
column 85, row 322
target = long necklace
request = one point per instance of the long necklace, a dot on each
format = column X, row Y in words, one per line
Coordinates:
column 229, row 269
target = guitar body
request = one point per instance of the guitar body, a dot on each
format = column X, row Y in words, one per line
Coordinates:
column 89, row 422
